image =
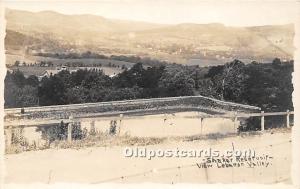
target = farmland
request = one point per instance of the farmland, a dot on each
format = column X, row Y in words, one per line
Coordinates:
column 108, row 66
column 37, row 71
column 11, row 58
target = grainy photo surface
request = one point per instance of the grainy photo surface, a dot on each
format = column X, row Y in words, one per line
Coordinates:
column 148, row 91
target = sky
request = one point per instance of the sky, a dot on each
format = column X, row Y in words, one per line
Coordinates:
column 228, row 12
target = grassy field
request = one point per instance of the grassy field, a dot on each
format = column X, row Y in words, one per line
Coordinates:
column 91, row 62
column 108, row 163
column 27, row 71
column 38, row 71
column 11, row 58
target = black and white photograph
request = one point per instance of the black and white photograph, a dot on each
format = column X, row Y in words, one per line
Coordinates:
column 139, row 91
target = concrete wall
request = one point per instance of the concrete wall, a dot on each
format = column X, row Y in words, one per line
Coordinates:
column 157, row 105
column 162, row 125
column 159, row 125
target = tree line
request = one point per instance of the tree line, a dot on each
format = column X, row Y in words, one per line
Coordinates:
column 267, row 85
column 92, row 55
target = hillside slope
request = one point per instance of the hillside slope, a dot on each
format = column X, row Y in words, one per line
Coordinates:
column 54, row 32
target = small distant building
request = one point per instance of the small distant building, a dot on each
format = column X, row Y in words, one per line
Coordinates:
column 48, row 73
column 22, row 64
column 112, row 75
column 64, row 68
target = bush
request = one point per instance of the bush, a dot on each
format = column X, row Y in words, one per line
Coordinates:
column 113, row 127
column 77, row 132
column 250, row 124
column 254, row 123
column 60, row 132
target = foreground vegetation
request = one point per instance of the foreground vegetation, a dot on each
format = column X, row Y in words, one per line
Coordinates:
column 110, row 139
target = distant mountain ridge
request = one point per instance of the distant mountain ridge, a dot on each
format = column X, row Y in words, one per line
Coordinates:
column 49, row 31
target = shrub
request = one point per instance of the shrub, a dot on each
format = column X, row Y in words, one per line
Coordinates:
column 113, row 127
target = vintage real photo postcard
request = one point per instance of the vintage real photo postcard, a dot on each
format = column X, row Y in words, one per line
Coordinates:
column 139, row 91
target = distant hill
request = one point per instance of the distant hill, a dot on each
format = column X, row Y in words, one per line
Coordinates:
column 47, row 31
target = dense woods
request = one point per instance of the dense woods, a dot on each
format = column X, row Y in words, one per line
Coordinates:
column 267, row 85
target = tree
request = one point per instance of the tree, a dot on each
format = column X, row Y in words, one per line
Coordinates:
column 96, row 79
column 207, row 88
column 151, row 76
column 32, row 80
column 176, row 84
column 233, row 82
column 17, row 97
column 130, row 78
column 17, row 63
column 228, row 80
column 77, row 94
column 52, row 91
column 16, row 77
column 269, row 86
column 276, row 61
column 123, row 94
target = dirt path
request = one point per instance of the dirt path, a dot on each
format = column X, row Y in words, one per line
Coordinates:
column 97, row 165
